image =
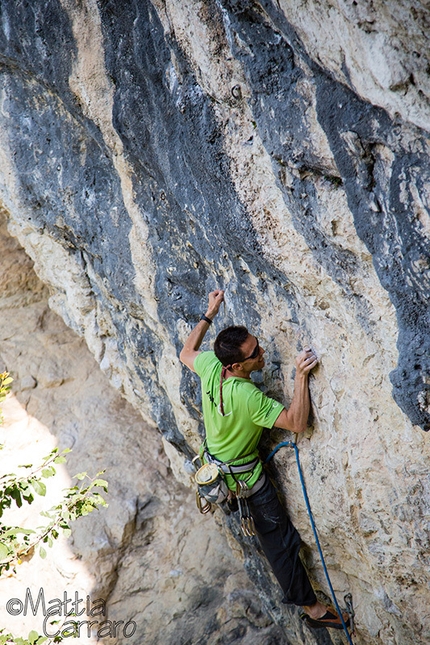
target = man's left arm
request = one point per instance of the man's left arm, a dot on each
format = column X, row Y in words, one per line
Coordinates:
column 296, row 417
column 192, row 345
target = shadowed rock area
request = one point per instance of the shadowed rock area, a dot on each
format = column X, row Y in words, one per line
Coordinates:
column 153, row 150
column 150, row 556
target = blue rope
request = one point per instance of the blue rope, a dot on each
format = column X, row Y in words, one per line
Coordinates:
column 314, row 528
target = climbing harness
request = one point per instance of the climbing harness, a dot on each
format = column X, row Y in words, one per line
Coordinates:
column 348, row 597
column 212, row 487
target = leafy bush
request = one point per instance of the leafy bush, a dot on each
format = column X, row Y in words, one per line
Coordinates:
column 17, row 542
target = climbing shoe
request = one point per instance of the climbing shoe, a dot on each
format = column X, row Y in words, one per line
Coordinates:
column 329, row 619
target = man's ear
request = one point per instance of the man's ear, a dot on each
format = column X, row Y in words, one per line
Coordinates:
column 237, row 367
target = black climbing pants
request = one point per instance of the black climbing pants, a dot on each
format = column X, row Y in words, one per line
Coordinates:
column 281, row 545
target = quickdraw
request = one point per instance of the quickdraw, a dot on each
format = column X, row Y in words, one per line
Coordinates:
column 246, row 522
column 350, row 610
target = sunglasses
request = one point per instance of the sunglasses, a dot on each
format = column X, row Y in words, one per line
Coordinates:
column 254, row 353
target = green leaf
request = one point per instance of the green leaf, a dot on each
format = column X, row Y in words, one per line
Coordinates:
column 46, row 514
column 102, row 483
column 16, row 495
column 51, row 454
column 80, row 476
column 48, row 472
column 7, row 380
column 16, row 531
column 33, row 636
column 42, row 552
column 48, row 540
column 6, row 638
column 39, row 487
column 60, row 460
column 4, row 551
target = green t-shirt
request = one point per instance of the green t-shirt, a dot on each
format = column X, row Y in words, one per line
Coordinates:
column 247, row 411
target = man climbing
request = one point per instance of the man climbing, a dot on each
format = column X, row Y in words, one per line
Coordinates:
column 235, row 413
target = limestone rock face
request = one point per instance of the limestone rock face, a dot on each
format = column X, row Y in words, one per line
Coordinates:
column 152, row 151
column 378, row 49
column 161, row 568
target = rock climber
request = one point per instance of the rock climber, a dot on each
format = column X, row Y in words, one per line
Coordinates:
column 235, row 412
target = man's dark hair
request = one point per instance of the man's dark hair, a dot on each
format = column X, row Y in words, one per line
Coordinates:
column 227, row 345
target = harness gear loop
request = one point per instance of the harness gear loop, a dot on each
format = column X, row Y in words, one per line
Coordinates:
column 314, row 529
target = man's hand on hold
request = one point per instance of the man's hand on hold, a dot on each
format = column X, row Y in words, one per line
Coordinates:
column 215, row 299
column 306, row 361
column 295, row 418
column 192, row 345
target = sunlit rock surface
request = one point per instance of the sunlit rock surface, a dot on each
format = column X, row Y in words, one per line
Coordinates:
column 151, row 151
